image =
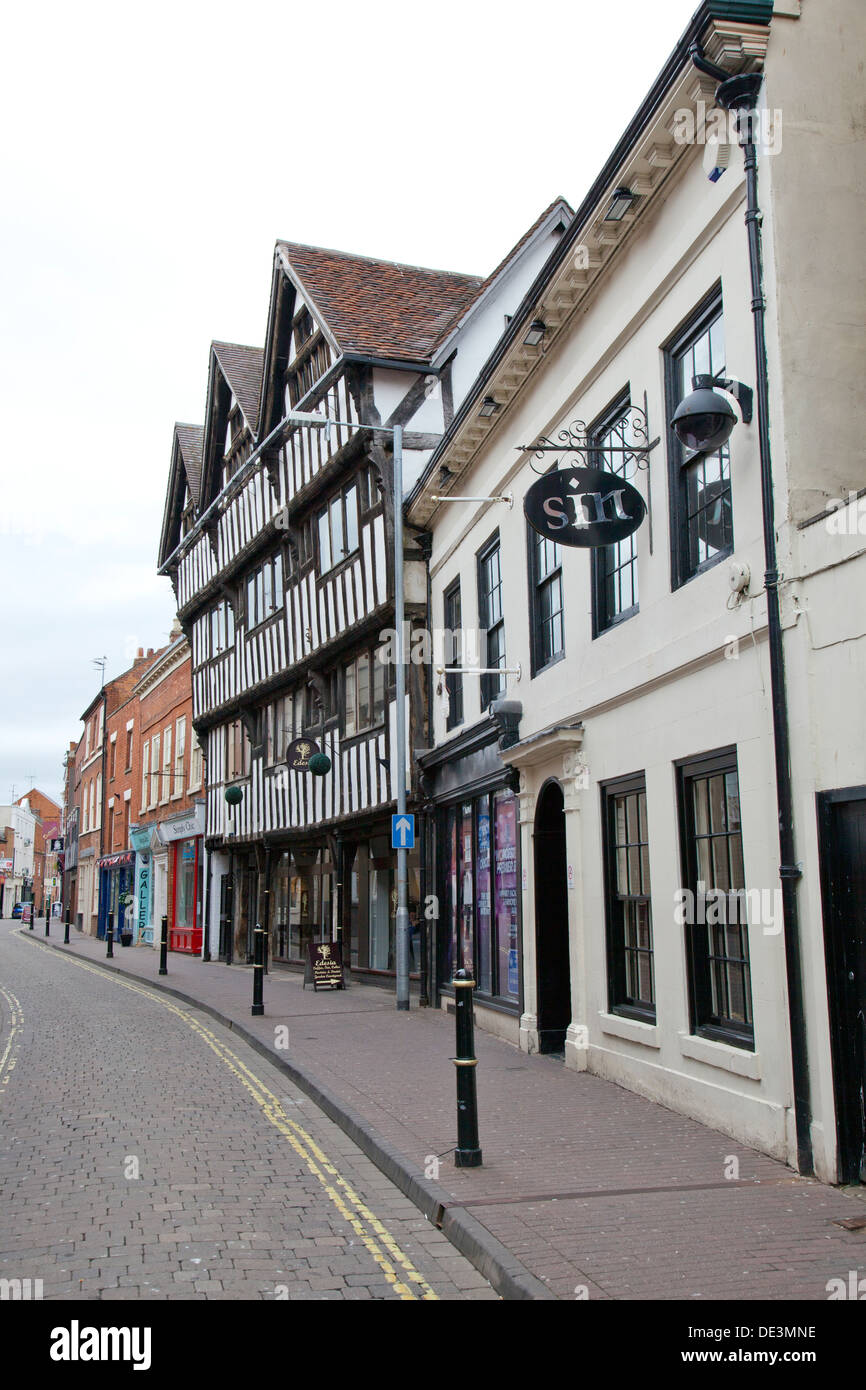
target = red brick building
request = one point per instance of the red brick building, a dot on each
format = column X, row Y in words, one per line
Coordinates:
column 92, row 895
column 134, row 815
column 47, row 830
column 168, row 802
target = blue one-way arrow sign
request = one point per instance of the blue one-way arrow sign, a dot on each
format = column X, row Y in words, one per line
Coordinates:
column 403, row 831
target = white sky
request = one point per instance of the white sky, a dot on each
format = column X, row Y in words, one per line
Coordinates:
column 151, row 156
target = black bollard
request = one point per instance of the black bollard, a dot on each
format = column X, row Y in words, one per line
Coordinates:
column 32, row 914
column 48, row 915
column 467, row 1154
column 109, row 936
column 230, row 920
column 66, row 929
column 163, row 948
column 258, row 969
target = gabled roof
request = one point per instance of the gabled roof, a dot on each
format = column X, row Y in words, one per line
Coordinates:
column 233, row 370
column 379, row 308
column 184, row 471
column 189, row 438
column 242, row 368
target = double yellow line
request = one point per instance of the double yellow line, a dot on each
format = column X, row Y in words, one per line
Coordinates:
column 9, row 1054
column 397, row 1268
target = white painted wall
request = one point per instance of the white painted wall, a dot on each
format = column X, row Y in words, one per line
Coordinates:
column 659, row 687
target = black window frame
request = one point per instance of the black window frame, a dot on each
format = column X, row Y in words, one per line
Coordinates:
column 683, row 570
column 221, row 617
column 538, row 583
column 704, row 1021
column 603, row 619
column 618, row 948
column 326, row 511
column 491, row 686
column 452, row 656
column 274, row 564
column 378, row 708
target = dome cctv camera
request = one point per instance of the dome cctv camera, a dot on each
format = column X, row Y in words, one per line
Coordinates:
column 704, row 419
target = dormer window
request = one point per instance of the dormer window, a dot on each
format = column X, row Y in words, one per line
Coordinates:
column 303, row 328
column 237, row 445
column 312, row 358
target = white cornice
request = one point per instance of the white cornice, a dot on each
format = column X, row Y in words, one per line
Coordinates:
column 646, row 169
column 171, row 661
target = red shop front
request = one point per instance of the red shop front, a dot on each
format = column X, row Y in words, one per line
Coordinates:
column 184, row 905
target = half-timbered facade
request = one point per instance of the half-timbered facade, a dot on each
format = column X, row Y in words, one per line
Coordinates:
column 280, row 548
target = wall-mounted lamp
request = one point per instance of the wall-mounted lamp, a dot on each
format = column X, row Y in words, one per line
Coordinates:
column 489, row 407
column 535, row 333
column 619, row 204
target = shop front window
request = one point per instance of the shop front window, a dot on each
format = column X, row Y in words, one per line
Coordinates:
column 373, row 906
column 281, row 906
column 505, row 894
column 379, row 919
column 479, row 894
column 484, row 977
column 184, row 884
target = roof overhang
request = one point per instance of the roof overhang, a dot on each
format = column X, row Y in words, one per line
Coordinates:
column 643, row 161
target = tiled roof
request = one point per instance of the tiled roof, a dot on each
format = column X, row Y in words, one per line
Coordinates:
column 379, row 308
column 189, row 438
column 242, row 367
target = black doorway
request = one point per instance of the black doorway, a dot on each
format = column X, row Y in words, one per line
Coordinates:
column 842, row 841
column 551, row 920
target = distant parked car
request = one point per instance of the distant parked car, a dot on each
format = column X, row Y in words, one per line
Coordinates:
column 18, row 910
column 23, row 911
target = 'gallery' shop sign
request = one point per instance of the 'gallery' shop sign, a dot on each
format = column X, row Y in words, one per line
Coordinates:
column 584, row 506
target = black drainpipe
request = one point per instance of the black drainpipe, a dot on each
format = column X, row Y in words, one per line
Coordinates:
column 740, row 94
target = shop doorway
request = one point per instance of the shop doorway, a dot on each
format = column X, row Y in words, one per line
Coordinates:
column 246, row 884
column 842, row 841
column 551, row 920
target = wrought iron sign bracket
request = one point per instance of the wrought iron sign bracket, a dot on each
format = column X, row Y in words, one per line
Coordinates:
column 626, row 442
column 575, row 439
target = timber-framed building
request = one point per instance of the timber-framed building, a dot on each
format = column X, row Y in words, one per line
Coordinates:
column 278, row 539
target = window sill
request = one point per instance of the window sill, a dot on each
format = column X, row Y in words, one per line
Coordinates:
column 613, row 623
column 251, row 627
column 554, row 661
column 707, row 565
column 723, row 1055
column 340, row 564
column 630, row 1029
column 362, row 733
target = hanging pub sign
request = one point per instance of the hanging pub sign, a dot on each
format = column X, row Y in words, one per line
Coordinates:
column 584, row 506
column 299, row 753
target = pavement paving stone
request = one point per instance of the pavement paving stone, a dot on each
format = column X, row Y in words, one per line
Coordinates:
column 547, row 1133
column 220, row 1198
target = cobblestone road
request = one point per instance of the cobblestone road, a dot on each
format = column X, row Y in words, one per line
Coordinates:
column 148, row 1153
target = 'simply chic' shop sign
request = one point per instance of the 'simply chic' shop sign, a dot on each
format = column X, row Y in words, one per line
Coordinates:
column 584, row 507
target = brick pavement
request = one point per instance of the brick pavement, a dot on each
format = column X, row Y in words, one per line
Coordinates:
column 595, row 1191
column 150, row 1154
